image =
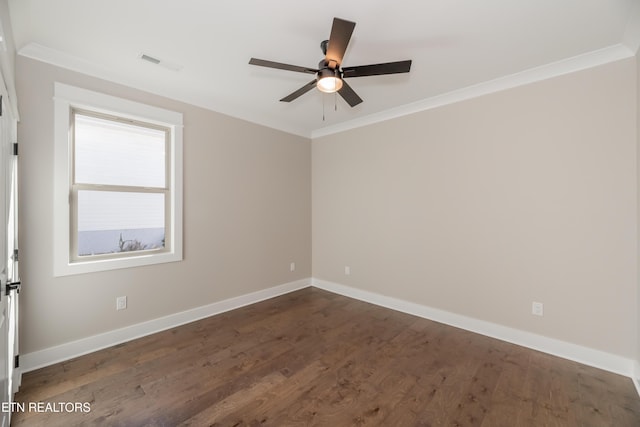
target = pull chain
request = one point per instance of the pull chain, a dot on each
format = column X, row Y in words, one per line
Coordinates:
column 323, row 108
column 335, row 104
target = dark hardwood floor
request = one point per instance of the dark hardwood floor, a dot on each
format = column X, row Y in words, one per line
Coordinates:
column 315, row 358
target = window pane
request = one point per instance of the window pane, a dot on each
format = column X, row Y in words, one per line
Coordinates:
column 115, row 153
column 110, row 222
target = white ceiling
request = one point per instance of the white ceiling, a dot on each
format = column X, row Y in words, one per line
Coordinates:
column 455, row 45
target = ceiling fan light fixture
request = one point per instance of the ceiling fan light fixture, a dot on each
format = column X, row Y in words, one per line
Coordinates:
column 329, row 81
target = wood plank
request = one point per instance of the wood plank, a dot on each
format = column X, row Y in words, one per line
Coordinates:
column 509, row 388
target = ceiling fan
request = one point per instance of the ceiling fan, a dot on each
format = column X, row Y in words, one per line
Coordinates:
column 330, row 74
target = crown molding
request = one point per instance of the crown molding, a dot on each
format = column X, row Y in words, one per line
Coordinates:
column 64, row 60
column 566, row 66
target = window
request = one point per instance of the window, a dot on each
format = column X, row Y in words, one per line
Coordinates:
column 118, row 183
column 119, row 192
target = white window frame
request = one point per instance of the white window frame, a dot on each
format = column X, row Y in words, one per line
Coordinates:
column 68, row 98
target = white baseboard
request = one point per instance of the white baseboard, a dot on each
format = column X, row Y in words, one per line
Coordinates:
column 587, row 356
column 636, row 376
column 566, row 350
column 51, row 355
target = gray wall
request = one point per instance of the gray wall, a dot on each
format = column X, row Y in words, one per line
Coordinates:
column 247, row 215
column 478, row 208
column 481, row 207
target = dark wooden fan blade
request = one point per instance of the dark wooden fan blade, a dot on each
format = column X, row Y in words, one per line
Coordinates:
column 339, row 39
column 281, row 66
column 377, row 69
column 304, row 89
column 349, row 95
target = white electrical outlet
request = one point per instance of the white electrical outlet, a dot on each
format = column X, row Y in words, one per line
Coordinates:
column 537, row 308
column 347, row 270
column 121, row 303
column 292, row 266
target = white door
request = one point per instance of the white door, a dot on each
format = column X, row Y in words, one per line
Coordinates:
column 9, row 276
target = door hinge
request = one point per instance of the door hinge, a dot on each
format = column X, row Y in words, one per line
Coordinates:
column 16, row 361
column 15, row 148
column 0, row 105
column 15, row 255
column 11, row 286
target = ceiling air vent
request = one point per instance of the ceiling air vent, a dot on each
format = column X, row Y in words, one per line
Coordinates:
column 150, row 59
column 161, row 62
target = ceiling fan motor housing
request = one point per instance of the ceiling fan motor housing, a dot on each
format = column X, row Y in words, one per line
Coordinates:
column 326, row 70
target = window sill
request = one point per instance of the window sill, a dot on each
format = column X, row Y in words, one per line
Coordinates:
column 93, row 266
